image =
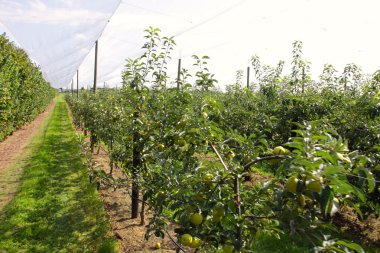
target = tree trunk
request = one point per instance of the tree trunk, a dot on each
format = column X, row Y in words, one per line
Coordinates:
column 142, row 213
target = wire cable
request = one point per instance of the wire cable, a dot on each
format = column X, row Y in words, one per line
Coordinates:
column 101, row 33
column 352, row 175
column 210, row 18
column 157, row 12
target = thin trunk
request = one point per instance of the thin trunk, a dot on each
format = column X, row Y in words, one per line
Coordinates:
column 111, row 159
column 142, row 213
column 238, row 206
column 92, row 143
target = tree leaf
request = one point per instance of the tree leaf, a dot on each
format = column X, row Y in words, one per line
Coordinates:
column 351, row 245
column 332, row 170
column 326, row 198
column 368, row 178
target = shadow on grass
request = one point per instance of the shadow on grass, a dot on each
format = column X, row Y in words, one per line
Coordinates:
column 56, row 210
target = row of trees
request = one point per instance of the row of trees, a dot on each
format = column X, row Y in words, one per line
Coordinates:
column 188, row 153
column 351, row 79
column 23, row 91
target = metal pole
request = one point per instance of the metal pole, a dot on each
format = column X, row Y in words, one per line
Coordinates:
column 77, row 83
column 96, row 65
column 72, row 84
column 179, row 73
column 248, row 70
column 303, row 79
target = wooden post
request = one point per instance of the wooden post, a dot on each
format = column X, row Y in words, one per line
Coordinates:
column 345, row 83
column 136, row 165
column 303, row 79
column 179, row 73
column 93, row 138
column 248, row 70
column 96, row 65
column 77, row 84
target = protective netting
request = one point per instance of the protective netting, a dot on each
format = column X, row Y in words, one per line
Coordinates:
column 59, row 34
column 56, row 34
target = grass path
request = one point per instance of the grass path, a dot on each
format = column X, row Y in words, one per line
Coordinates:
column 14, row 152
column 56, row 209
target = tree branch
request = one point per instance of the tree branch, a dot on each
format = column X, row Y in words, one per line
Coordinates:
column 178, row 245
column 248, row 165
column 219, row 157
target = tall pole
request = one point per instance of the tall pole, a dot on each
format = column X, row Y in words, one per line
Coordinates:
column 77, row 83
column 303, row 79
column 248, row 70
column 179, row 73
column 72, row 84
column 96, row 65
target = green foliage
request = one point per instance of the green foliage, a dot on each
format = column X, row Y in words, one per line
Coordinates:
column 23, row 92
column 195, row 148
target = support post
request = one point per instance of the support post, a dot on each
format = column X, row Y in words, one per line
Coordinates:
column 95, row 65
column 303, row 79
column 345, row 83
column 179, row 73
column 77, row 84
column 136, row 165
column 248, row 70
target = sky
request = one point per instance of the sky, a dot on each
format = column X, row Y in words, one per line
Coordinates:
column 59, row 35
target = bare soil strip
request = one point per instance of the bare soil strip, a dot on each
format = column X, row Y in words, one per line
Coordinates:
column 129, row 232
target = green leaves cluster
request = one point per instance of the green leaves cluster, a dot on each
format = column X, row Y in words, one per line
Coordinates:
column 23, row 91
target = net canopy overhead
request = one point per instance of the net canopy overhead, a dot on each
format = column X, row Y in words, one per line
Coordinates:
column 59, row 35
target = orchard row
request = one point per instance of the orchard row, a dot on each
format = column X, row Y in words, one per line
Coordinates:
column 189, row 153
column 23, row 91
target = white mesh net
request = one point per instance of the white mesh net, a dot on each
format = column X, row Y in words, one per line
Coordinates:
column 59, row 34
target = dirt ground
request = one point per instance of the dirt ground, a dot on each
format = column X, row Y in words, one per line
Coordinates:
column 128, row 231
column 366, row 231
column 10, row 150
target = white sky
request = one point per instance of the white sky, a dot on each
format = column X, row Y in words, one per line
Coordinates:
column 58, row 34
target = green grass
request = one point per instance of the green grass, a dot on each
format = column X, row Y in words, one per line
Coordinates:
column 56, row 209
column 270, row 244
column 10, row 177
